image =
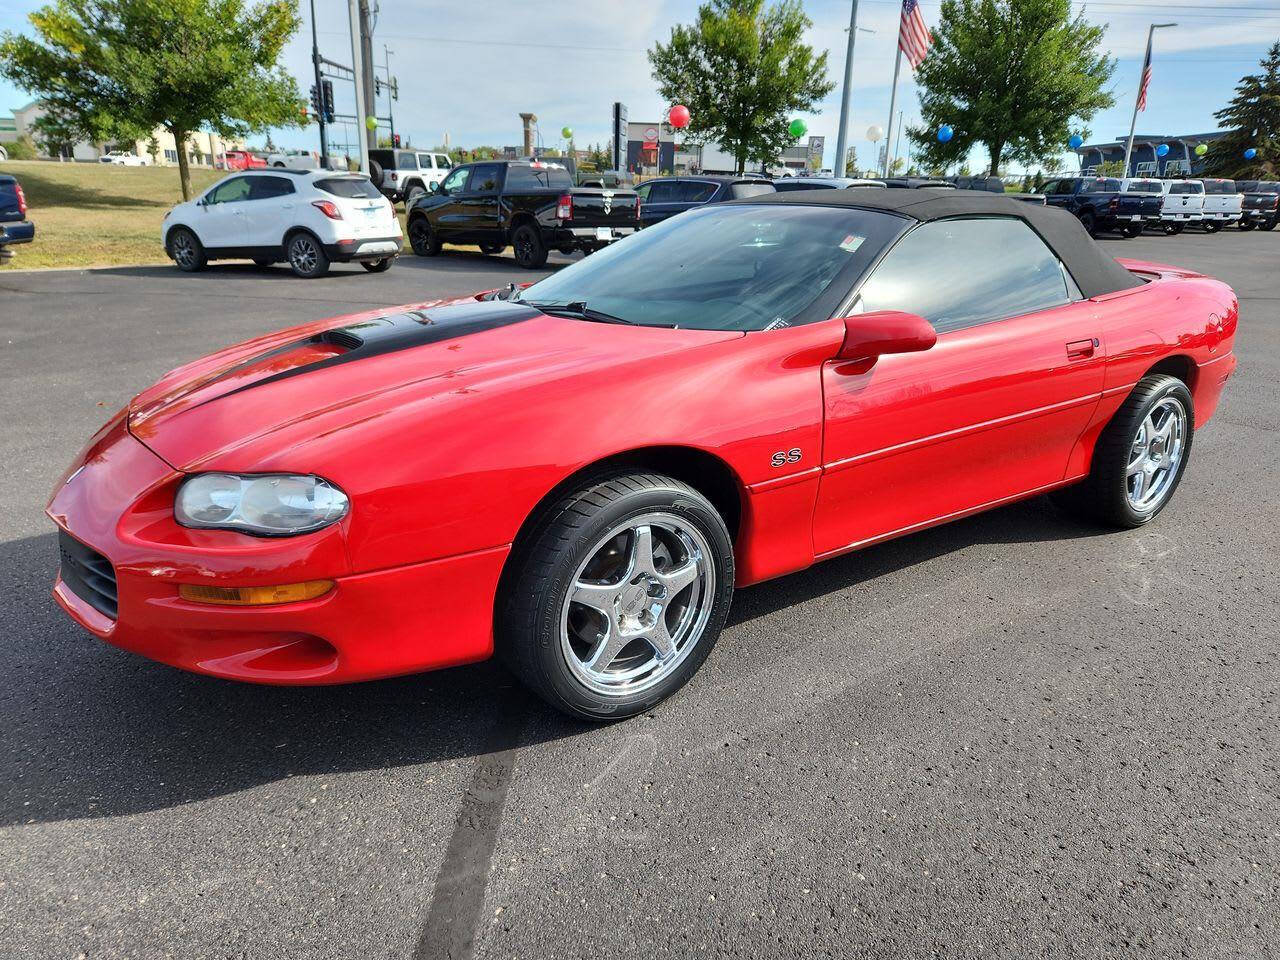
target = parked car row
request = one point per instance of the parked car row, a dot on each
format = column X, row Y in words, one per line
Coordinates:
column 1129, row 205
column 15, row 228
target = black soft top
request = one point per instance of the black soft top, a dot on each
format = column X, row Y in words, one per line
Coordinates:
column 1094, row 272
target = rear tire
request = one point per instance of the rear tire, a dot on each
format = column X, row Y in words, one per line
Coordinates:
column 1247, row 224
column 1132, row 231
column 619, row 569
column 1090, row 223
column 306, row 256
column 187, row 251
column 413, row 193
column 377, row 266
column 1212, row 226
column 422, row 238
column 530, row 251
column 1173, row 229
column 1133, row 445
column 1267, row 225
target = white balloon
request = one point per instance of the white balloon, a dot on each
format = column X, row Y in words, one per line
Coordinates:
column 874, row 133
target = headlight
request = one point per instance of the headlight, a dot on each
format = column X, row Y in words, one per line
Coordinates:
column 272, row 504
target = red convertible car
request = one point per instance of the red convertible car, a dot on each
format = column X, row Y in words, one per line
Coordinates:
column 579, row 474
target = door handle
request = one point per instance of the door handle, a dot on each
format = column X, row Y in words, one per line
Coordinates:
column 287, row 206
column 1081, row 349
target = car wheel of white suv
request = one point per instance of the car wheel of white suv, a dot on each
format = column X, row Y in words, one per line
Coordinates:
column 306, row 256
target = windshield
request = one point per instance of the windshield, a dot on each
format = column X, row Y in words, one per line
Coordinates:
column 728, row 267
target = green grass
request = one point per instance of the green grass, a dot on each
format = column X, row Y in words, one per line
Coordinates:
column 96, row 214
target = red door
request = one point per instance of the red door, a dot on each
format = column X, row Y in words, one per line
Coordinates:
column 988, row 414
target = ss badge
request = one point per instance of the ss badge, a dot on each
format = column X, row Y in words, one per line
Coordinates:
column 783, row 457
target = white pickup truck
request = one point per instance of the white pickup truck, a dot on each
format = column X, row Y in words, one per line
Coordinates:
column 1183, row 203
column 294, row 160
column 1223, row 204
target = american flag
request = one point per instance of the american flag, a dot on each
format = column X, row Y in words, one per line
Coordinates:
column 914, row 38
column 1146, row 79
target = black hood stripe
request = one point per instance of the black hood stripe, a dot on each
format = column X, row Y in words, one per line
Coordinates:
column 390, row 334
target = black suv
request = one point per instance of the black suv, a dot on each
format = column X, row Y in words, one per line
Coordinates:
column 667, row 196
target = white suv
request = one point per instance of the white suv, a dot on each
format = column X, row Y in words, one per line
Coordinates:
column 308, row 218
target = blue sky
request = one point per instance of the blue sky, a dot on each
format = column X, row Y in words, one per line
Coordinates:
column 569, row 60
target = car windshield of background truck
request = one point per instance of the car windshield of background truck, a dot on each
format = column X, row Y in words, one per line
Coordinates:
column 728, row 267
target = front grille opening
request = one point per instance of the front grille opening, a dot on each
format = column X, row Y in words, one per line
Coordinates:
column 88, row 574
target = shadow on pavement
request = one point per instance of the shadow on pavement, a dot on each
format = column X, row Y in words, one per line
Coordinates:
column 92, row 731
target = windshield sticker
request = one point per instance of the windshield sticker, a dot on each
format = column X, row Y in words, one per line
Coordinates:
column 851, row 243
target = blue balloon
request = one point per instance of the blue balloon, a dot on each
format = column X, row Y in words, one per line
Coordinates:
column 945, row 133
column 1250, row 153
column 1162, row 150
column 1075, row 141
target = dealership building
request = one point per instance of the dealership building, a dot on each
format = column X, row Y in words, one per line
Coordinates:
column 1180, row 161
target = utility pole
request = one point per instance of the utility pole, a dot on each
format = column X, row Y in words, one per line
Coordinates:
column 315, row 62
column 357, row 71
column 392, row 90
column 365, row 66
column 1139, row 99
column 842, row 138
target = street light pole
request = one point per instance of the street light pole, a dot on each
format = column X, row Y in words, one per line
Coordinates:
column 315, row 62
column 1146, row 64
column 357, row 69
column 391, row 117
column 842, row 138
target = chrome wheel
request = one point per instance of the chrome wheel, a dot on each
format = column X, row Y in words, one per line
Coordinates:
column 1156, row 454
column 184, row 249
column 303, row 255
column 638, row 605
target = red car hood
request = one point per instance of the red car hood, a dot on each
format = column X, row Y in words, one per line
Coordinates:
column 287, row 387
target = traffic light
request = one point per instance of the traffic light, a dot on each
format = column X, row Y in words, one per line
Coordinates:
column 315, row 100
column 327, row 89
column 377, row 86
column 395, row 140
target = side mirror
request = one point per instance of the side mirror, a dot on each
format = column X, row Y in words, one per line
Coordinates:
column 885, row 331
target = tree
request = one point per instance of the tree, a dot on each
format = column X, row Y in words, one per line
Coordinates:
column 1011, row 75
column 153, row 149
column 1253, row 120
column 743, row 72
column 117, row 69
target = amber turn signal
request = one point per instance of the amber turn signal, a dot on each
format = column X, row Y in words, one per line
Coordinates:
column 255, row 596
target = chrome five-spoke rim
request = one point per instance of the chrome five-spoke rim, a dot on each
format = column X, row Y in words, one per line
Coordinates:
column 184, row 250
column 302, row 254
column 638, row 604
column 1156, row 453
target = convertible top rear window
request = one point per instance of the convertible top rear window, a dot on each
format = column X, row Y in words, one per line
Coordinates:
column 746, row 266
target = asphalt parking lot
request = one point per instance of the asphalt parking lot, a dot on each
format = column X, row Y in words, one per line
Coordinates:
column 1012, row 736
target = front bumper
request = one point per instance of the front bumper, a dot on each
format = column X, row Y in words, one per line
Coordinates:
column 117, row 501
column 371, row 248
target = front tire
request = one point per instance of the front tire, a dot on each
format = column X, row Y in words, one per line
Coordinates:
column 187, row 250
column 1212, row 226
column 617, row 596
column 306, row 256
column 1247, row 224
column 422, row 238
column 530, row 251
column 1140, row 457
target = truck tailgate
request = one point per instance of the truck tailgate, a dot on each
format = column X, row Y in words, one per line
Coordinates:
column 596, row 207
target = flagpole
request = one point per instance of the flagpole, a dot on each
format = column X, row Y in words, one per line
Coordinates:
column 1133, row 124
column 893, row 96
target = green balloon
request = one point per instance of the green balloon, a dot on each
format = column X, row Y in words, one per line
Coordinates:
column 566, row 132
column 371, row 123
column 1201, row 149
column 798, row 128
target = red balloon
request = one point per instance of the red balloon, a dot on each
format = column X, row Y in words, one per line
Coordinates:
column 679, row 116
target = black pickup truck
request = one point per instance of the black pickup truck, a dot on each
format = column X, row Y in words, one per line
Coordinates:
column 14, row 225
column 532, row 206
column 1261, row 204
column 1100, row 204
